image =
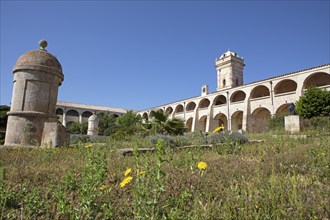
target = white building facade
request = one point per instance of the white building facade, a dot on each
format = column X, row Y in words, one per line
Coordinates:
column 69, row 112
column 242, row 107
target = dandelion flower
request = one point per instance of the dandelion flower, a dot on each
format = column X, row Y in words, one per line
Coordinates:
column 125, row 181
column 103, row 187
column 128, row 171
column 202, row 166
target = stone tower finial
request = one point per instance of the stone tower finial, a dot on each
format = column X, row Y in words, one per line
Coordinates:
column 43, row 44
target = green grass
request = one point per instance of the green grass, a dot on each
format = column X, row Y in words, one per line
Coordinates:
column 278, row 179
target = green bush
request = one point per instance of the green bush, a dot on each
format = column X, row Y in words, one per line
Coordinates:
column 237, row 137
column 162, row 124
column 320, row 122
column 78, row 128
column 276, row 123
column 216, row 138
column 170, row 141
column 317, row 123
column 314, row 102
column 107, row 123
column 128, row 123
column 78, row 138
column 231, row 137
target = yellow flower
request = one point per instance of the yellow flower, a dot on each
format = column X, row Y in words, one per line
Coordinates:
column 89, row 145
column 128, row 171
column 125, row 181
column 220, row 128
column 103, row 187
column 142, row 173
column 202, row 165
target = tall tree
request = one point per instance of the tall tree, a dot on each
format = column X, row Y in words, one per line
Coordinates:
column 107, row 123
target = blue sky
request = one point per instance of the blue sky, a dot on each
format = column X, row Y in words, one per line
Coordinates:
column 141, row 54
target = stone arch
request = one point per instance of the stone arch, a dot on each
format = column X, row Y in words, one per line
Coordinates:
column 221, row 119
column 169, row 110
column 260, row 91
column 151, row 114
column 261, row 117
column 179, row 108
column 72, row 112
column 145, row 116
column 220, row 100
column 283, row 110
column 317, row 79
column 204, row 103
column 284, row 86
column 189, row 124
column 237, row 120
column 86, row 114
column 59, row 111
column 115, row 115
column 191, row 106
column 202, row 123
column 238, row 96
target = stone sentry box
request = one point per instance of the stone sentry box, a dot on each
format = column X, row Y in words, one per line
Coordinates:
column 32, row 120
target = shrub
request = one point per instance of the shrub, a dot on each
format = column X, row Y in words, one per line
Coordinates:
column 162, row 124
column 107, row 123
column 216, row 138
column 78, row 128
column 78, row 138
column 320, row 122
column 317, row 123
column 237, row 137
column 128, row 122
column 276, row 123
column 314, row 102
column 231, row 137
column 170, row 141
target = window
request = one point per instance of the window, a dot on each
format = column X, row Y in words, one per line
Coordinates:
column 224, row 83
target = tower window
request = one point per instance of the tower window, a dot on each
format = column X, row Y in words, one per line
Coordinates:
column 224, row 83
column 236, row 82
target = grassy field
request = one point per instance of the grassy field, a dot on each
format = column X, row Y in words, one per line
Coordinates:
column 280, row 178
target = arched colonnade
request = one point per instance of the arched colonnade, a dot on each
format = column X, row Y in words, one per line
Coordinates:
column 247, row 107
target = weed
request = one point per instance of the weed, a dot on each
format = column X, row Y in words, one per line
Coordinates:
column 280, row 178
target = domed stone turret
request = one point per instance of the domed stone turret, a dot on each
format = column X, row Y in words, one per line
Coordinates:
column 38, row 59
column 32, row 120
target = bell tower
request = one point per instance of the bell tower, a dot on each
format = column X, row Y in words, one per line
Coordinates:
column 229, row 68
